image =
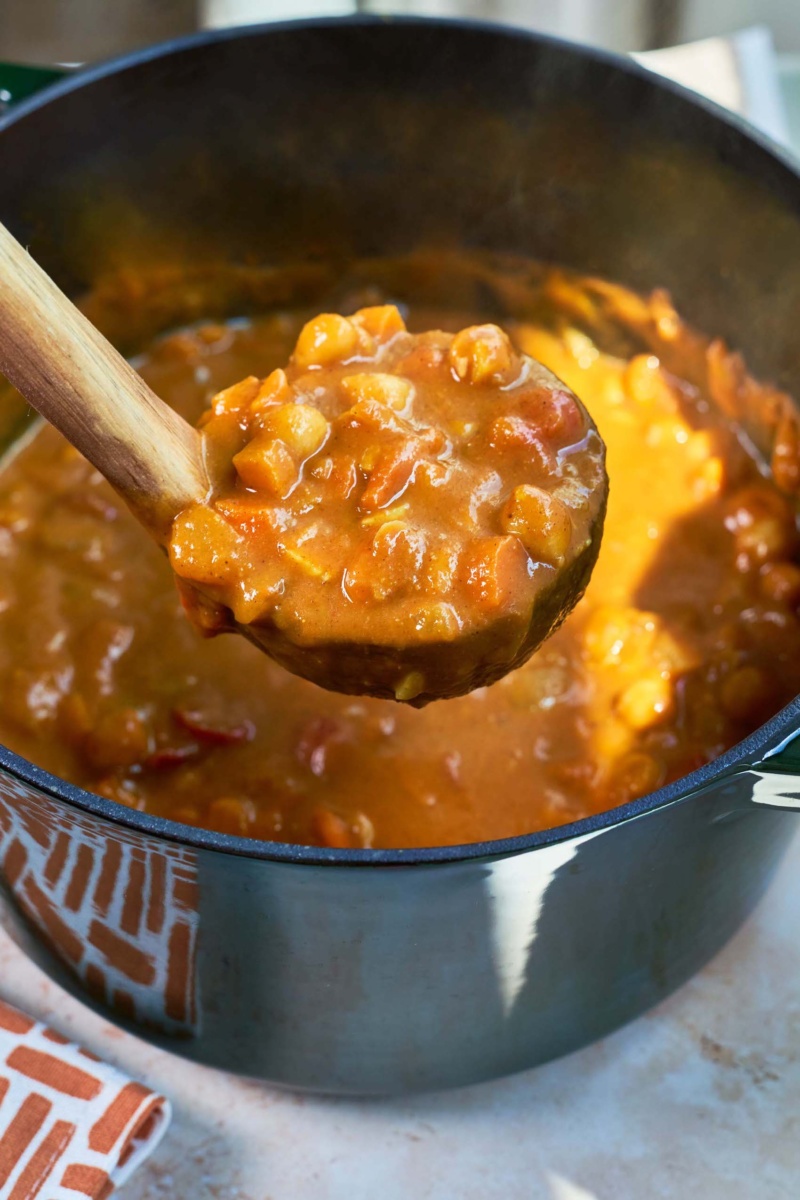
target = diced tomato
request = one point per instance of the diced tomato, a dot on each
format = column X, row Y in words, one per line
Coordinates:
column 515, row 433
column 494, row 570
column 166, row 758
column 215, row 731
column 555, row 415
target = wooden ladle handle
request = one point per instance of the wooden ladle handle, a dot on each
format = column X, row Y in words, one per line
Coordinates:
column 77, row 380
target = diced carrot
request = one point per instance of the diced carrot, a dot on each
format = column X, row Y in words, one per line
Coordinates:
column 231, row 814
column 390, row 564
column 248, row 515
column 331, row 829
column 390, row 476
column 495, row 570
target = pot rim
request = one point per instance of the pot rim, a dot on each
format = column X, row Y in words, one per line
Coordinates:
column 750, row 750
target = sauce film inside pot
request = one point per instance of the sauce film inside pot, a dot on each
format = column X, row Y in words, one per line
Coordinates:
column 687, row 639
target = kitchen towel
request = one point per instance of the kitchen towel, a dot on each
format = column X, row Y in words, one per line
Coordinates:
column 70, row 1125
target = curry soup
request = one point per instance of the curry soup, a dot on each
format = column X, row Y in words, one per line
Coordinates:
column 687, row 638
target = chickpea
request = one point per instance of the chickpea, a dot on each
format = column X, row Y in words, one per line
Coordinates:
column 645, row 382
column 540, row 521
column 482, row 354
column 410, row 686
column 781, row 582
column 300, row 427
column 327, row 339
column 613, row 739
column 390, row 390
column 766, row 539
column 646, row 702
column 613, row 634
column 436, row 620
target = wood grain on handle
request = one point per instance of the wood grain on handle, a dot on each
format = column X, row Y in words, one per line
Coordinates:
column 77, row 380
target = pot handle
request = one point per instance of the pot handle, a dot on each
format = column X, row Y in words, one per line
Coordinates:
column 775, row 780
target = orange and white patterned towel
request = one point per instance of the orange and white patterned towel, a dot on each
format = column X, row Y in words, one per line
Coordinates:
column 70, row 1125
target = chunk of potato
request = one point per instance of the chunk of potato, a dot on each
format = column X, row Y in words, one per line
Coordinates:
column 267, row 465
column 382, row 321
column 326, row 339
column 204, row 547
column 274, row 390
column 541, row 522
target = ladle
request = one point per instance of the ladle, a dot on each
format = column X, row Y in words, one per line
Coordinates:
column 155, row 460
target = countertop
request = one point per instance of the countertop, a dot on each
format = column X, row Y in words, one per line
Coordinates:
column 699, row 1098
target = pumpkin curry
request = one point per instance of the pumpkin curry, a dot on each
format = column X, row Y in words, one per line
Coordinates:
column 687, row 637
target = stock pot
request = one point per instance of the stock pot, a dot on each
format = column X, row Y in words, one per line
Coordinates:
column 373, row 971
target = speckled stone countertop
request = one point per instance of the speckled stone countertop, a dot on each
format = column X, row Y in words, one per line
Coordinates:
column 700, row 1098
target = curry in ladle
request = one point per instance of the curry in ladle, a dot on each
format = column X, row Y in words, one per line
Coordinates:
column 395, row 515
